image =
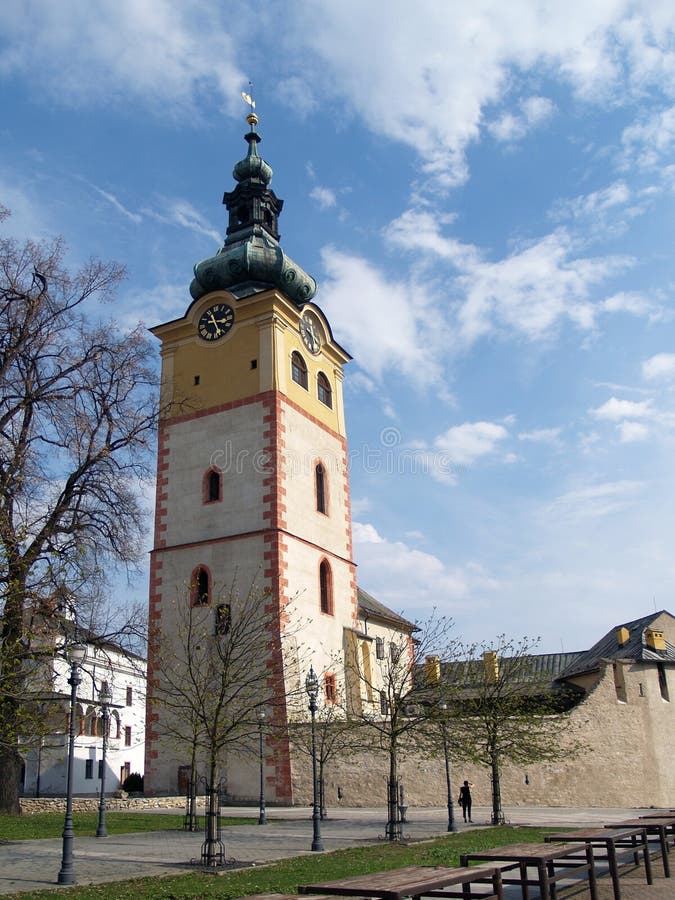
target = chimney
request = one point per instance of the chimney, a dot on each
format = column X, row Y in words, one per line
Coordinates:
column 432, row 670
column 491, row 664
column 654, row 639
column 622, row 635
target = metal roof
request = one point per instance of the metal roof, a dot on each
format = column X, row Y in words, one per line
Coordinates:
column 634, row 648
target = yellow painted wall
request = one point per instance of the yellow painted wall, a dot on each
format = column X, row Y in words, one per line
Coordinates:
column 265, row 330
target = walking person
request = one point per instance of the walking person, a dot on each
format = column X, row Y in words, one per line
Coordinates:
column 465, row 800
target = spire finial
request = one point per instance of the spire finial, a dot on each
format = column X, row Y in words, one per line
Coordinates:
column 251, row 118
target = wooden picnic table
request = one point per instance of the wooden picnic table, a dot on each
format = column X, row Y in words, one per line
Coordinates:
column 660, row 826
column 414, row 881
column 618, row 842
column 546, row 858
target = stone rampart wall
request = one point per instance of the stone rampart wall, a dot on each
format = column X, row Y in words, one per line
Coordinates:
column 32, row 805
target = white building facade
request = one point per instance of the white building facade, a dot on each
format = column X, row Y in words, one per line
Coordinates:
column 46, row 759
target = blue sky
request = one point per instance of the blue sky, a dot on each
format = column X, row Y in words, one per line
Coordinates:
column 485, row 193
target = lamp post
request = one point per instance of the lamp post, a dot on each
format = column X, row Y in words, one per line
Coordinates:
column 443, row 706
column 105, row 697
column 261, row 718
column 312, row 688
column 77, row 653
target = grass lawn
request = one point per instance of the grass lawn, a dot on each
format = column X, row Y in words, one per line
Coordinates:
column 286, row 875
column 50, row 825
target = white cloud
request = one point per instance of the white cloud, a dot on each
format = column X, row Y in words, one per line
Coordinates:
column 405, row 578
column 541, row 436
column 182, row 213
column 467, row 443
column 324, row 197
column 112, row 199
column 615, row 409
column 530, row 292
column 632, row 432
column 513, row 127
column 647, row 142
column 662, row 365
column 629, row 302
column 154, row 51
column 385, row 324
column 595, row 500
column 445, row 65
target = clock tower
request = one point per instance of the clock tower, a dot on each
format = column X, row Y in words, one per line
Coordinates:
column 252, row 480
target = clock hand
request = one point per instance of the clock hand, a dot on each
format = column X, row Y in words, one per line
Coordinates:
column 218, row 331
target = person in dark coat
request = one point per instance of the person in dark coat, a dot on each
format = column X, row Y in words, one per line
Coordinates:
column 465, row 800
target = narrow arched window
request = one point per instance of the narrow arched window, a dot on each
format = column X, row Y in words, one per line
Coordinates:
column 326, row 588
column 200, row 587
column 330, row 688
column 320, row 478
column 324, row 390
column 299, row 370
column 212, row 486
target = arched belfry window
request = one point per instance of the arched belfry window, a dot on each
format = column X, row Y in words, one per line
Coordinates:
column 200, row 587
column 326, row 588
column 324, row 390
column 299, row 370
column 320, row 483
column 212, row 486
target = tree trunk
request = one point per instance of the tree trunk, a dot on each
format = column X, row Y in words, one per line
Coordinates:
column 10, row 766
column 394, row 830
column 11, row 689
column 497, row 814
column 212, row 848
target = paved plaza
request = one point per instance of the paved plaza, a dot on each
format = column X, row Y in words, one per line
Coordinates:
column 34, row 865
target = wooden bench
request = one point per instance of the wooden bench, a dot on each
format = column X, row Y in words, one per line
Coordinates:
column 414, row 882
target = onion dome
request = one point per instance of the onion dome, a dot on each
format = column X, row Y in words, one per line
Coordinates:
column 251, row 259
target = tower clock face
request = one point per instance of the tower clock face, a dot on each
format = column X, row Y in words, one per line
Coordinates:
column 310, row 332
column 215, row 322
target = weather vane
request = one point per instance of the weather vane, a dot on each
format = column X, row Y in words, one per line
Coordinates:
column 247, row 98
column 252, row 117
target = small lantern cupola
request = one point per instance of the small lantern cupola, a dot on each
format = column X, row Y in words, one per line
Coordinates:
column 252, row 202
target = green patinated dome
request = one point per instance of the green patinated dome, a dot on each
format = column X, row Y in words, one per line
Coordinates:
column 251, row 258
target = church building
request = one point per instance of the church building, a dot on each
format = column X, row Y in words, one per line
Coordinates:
column 252, row 471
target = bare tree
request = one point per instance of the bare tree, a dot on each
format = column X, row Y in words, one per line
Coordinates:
column 212, row 673
column 337, row 736
column 78, row 411
column 506, row 707
column 389, row 695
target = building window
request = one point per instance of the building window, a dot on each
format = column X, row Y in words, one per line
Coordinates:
column 89, row 768
column 100, row 769
column 130, row 695
column 324, row 390
column 330, row 688
column 125, row 772
column 394, row 652
column 127, row 736
column 320, row 479
column 384, row 706
column 620, row 682
column 299, row 370
column 663, row 683
column 200, row 587
column 326, row 588
column 115, row 719
column 223, row 618
column 212, row 486
column 379, row 648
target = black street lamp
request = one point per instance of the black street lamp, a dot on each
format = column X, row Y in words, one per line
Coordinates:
column 261, row 718
column 77, row 653
column 312, row 688
column 443, row 706
column 105, row 697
